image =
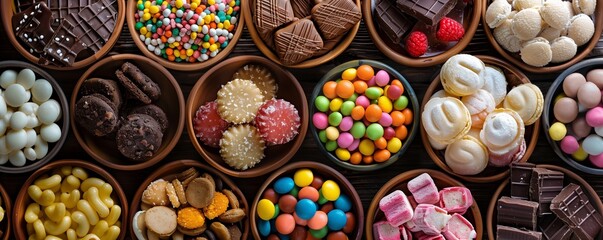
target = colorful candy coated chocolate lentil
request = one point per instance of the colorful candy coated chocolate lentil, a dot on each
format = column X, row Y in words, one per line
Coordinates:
column 283, row 185
column 330, row 190
column 305, row 209
column 266, row 209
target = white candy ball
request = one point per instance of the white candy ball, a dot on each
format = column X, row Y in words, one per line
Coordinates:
column 26, row 78
column 6, row 117
column 16, row 139
column 51, row 132
column 41, row 147
column 41, row 91
column 31, row 137
column 8, row 78
column 29, row 108
column 15, row 95
column 17, row 158
column 3, row 159
column 18, row 120
column 32, row 122
column 48, row 112
column 3, row 148
column 599, row 131
column 593, row 144
column 3, row 107
column 29, row 153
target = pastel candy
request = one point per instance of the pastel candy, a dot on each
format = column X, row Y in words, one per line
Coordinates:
column 572, row 83
column 435, row 144
column 495, row 83
column 503, row 131
column 593, row 144
column 385, row 231
column 446, row 119
column 594, row 117
column 320, row 120
column 513, row 155
column 440, row 94
column 430, row 219
column 479, row 104
column 423, row 189
column 569, row 144
column 599, row 131
column 467, row 156
column 527, row 100
column 456, row 199
column 596, row 160
column 580, row 128
column 396, row 207
column 459, row 228
column 462, row 74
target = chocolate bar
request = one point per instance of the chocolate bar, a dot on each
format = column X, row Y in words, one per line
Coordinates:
column 545, row 184
column 22, row 5
column 335, row 17
column 552, row 227
column 100, row 17
column 302, row 8
column 573, row 207
column 511, row 233
column 270, row 14
column 62, row 8
column 521, row 175
column 32, row 27
column 517, row 213
column 63, row 47
column 297, row 42
column 392, row 21
column 428, row 11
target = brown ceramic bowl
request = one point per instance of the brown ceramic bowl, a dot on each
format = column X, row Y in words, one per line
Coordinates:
column 63, row 122
column 327, row 173
column 582, row 52
column 205, row 90
column 399, row 182
column 8, row 9
column 5, row 225
column 171, row 101
column 181, row 66
column 23, row 199
column 311, row 62
column 490, row 174
column 397, row 53
column 175, row 167
column 570, row 177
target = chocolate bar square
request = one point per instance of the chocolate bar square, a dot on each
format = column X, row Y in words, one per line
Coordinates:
column 335, row 17
column 62, row 8
column 392, row 21
column 511, row 233
column 517, row 213
column 521, row 175
column 297, row 42
column 552, row 227
column 63, row 47
column 573, row 207
column 428, row 11
column 100, row 17
column 32, row 26
column 544, row 186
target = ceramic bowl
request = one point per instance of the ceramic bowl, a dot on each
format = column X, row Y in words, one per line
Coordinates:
column 490, row 174
column 205, row 90
column 5, row 225
column 400, row 182
column 171, row 101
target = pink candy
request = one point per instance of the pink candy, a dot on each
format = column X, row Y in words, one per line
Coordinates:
column 456, row 199
column 320, row 120
column 363, row 101
column 594, row 117
column 394, row 92
column 354, row 145
column 385, row 120
column 386, row 231
column 346, row 124
column 459, row 228
column 345, row 140
column 389, row 133
column 423, row 189
column 381, row 78
column 596, row 160
column 396, row 208
column 430, row 219
column 569, row 144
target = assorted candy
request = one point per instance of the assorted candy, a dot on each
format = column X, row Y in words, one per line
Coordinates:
column 191, row 204
column 70, row 204
column 363, row 116
column 183, row 31
column 28, row 116
column 426, row 214
column 578, row 113
column 305, row 206
column 246, row 118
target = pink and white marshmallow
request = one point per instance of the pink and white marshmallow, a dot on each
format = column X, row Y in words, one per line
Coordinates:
column 423, row 189
column 459, row 228
column 456, row 199
column 397, row 208
column 430, row 219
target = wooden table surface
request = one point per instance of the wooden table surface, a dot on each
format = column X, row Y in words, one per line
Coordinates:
column 366, row 183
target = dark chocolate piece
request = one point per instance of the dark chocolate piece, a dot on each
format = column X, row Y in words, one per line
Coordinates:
column 139, row 137
column 517, row 213
column 32, row 26
column 100, row 17
column 62, row 8
column 552, row 227
column 545, row 184
column 63, row 48
column 428, row 11
column 521, row 175
column 573, row 207
column 511, row 233
column 95, row 115
column 297, row 42
column 392, row 21
column 108, row 88
column 22, row 5
column 328, row 45
column 155, row 112
column 144, row 82
column 271, row 14
column 335, row 17
column 302, row 8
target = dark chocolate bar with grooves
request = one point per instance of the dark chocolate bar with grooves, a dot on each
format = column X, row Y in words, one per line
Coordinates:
column 521, row 175
column 552, row 227
column 32, row 27
column 393, row 22
column 100, row 17
column 63, row 47
column 574, row 208
column 544, row 186
column 428, row 11
column 517, row 213
column 511, row 233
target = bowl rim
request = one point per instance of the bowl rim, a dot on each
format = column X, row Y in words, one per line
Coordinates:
column 7, row 205
column 22, row 197
column 255, row 171
column 169, row 145
column 585, row 186
column 422, row 61
column 407, row 89
column 334, row 174
column 308, row 63
column 546, row 124
column 405, row 176
column 531, row 143
column 8, row 10
column 61, row 98
column 183, row 164
column 598, row 21
column 131, row 7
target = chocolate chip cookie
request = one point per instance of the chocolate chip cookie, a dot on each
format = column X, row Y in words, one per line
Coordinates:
column 139, row 137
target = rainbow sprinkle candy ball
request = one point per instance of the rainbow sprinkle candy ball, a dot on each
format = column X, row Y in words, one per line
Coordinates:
column 186, row 32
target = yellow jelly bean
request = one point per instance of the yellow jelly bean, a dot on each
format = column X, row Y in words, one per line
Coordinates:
column 48, row 183
column 207, row 18
column 366, row 147
column 80, row 173
column 101, row 228
column 179, row 4
column 557, row 131
column 303, row 177
column 40, row 231
column 335, row 104
column 112, row 233
column 205, row 45
column 332, row 133
column 349, row 74
column 43, row 198
column 330, row 190
column 71, row 235
column 94, row 199
column 66, row 170
column 114, row 215
column 153, row 9
column 92, row 182
column 221, row 25
column 229, row 11
column 83, row 226
column 226, row 24
column 265, row 209
column 70, row 199
column 213, row 47
column 70, row 183
column 32, row 212
column 394, row 145
column 342, row 154
column 148, row 35
column 193, row 35
column 194, row 5
column 232, row 3
column 147, row 4
column 385, row 104
column 87, row 210
column 56, row 228
column 90, row 236
column 143, row 30
column 104, row 191
column 55, row 211
column 146, row 16
column 580, row 155
column 211, row 2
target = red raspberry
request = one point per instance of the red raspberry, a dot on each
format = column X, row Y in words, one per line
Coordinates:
column 416, row 44
column 450, row 30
